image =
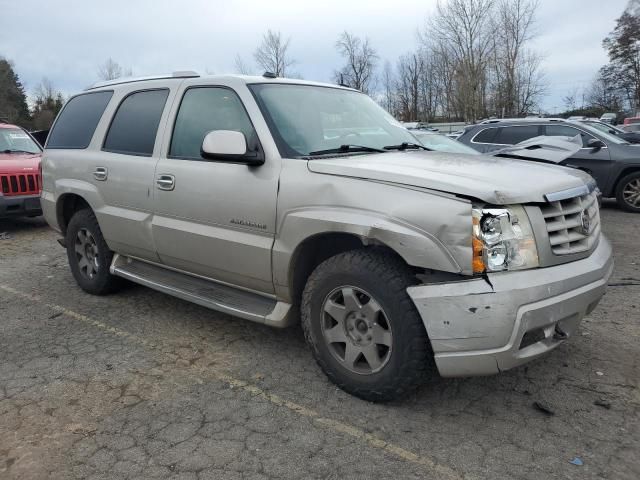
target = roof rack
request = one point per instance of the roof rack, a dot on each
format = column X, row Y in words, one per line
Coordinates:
column 119, row 81
column 521, row 120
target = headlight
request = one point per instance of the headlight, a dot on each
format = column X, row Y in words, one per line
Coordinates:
column 502, row 240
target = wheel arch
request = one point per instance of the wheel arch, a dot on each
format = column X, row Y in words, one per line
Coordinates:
column 623, row 173
column 66, row 205
column 307, row 238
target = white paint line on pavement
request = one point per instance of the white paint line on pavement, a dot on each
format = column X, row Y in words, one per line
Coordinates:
column 442, row 472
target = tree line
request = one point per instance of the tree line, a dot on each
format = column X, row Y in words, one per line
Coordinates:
column 616, row 87
column 473, row 59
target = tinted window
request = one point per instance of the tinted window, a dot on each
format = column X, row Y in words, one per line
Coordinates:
column 78, row 120
column 566, row 131
column 486, row 136
column 517, row 134
column 202, row 110
column 135, row 125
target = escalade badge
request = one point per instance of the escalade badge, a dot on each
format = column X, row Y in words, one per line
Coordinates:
column 248, row 223
column 585, row 222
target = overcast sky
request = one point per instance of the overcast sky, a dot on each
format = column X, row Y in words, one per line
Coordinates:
column 66, row 40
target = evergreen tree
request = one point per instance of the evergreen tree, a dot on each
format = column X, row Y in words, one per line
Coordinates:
column 13, row 101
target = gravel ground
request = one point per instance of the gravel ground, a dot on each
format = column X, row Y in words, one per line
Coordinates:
column 142, row 385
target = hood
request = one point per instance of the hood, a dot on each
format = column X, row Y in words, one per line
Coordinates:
column 491, row 179
column 19, row 162
column 543, row 148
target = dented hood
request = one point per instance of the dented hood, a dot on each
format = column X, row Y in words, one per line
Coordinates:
column 491, row 179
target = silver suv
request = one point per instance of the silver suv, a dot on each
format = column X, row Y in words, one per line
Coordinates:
column 282, row 200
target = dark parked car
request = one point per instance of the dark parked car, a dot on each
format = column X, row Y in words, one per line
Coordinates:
column 613, row 162
column 628, row 135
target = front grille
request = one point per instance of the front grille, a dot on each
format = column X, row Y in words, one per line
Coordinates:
column 573, row 224
column 20, row 184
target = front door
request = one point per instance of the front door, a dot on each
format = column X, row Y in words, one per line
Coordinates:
column 215, row 218
column 595, row 161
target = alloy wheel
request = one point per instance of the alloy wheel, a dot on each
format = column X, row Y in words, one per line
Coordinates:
column 356, row 330
column 86, row 249
column 631, row 193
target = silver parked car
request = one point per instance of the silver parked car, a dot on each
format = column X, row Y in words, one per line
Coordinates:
column 280, row 200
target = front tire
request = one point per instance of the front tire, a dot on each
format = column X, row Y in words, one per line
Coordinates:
column 88, row 254
column 363, row 328
column 628, row 192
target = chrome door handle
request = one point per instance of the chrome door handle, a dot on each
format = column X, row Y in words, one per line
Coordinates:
column 166, row 182
column 100, row 174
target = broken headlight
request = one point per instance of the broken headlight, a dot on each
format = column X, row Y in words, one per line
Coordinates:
column 502, row 240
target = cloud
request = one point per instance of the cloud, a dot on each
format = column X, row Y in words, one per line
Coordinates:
column 67, row 40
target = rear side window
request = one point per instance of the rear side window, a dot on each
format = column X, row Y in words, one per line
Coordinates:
column 486, row 136
column 134, row 126
column 513, row 135
column 202, row 110
column 78, row 120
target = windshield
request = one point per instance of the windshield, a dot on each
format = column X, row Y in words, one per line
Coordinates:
column 604, row 127
column 306, row 118
column 16, row 140
column 441, row 143
column 604, row 135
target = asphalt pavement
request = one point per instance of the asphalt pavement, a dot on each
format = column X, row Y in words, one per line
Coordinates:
column 142, row 385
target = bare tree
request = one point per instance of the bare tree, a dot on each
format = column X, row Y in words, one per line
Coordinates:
column 513, row 27
column 361, row 60
column 388, row 87
column 109, row 70
column 570, row 100
column 272, row 54
column 241, row 66
column 47, row 102
column 464, row 34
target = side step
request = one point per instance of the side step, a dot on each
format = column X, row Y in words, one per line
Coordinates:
column 210, row 294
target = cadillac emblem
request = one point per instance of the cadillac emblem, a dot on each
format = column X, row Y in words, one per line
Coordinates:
column 585, row 222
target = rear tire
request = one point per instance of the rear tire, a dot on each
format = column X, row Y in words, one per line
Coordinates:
column 628, row 192
column 373, row 344
column 88, row 254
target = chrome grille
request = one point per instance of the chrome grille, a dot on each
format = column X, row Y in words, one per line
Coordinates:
column 573, row 224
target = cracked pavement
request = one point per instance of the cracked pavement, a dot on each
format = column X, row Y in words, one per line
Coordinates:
column 143, row 385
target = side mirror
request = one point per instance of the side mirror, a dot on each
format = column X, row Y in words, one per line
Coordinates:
column 229, row 145
column 595, row 143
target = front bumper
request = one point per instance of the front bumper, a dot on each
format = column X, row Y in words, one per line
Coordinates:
column 20, row 206
column 478, row 328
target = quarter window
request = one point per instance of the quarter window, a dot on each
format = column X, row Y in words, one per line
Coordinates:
column 204, row 109
column 565, row 131
column 517, row 134
column 486, row 136
column 134, row 126
column 78, row 120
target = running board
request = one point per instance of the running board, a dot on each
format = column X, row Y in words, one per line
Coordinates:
column 207, row 293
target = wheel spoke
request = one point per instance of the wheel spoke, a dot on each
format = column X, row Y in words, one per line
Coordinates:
column 83, row 264
column 371, row 310
column 351, row 354
column 380, row 336
column 82, row 237
column 336, row 334
column 372, row 356
column 337, row 312
column 79, row 248
column 351, row 301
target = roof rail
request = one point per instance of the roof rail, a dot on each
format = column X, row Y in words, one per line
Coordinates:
column 119, row 81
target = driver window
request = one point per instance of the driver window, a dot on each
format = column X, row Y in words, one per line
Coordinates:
column 202, row 110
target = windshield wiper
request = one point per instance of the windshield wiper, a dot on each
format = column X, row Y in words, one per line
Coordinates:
column 17, row 151
column 347, row 148
column 406, row 146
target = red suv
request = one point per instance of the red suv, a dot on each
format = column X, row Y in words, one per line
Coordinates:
column 20, row 180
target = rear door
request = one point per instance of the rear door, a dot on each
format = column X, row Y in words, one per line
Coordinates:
column 124, row 169
column 595, row 161
column 215, row 218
